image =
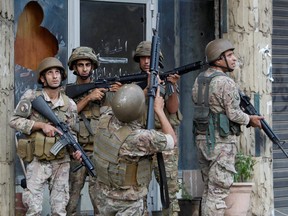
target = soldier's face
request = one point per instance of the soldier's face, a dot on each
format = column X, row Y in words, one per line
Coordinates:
column 231, row 59
column 52, row 77
column 144, row 63
column 83, row 67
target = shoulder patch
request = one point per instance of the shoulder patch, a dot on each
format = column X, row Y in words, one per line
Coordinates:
column 23, row 109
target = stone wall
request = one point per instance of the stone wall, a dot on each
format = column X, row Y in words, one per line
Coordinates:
column 250, row 29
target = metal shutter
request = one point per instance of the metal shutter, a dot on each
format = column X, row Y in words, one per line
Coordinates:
column 280, row 101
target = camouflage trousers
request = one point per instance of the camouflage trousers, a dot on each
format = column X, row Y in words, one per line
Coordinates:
column 76, row 183
column 217, row 167
column 116, row 207
column 171, row 167
column 56, row 173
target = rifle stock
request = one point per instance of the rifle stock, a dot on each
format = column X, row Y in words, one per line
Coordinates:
column 248, row 108
column 41, row 106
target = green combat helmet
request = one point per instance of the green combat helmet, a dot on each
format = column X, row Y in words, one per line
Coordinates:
column 128, row 103
column 83, row 53
column 144, row 49
column 50, row 62
column 215, row 48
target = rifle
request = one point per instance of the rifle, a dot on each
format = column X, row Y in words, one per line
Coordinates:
column 41, row 106
column 73, row 90
column 154, row 64
column 248, row 108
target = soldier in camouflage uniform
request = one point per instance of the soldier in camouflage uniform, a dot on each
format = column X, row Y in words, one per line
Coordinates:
column 43, row 167
column 123, row 152
column 83, row 61
column 171, row 109
column 217, row 120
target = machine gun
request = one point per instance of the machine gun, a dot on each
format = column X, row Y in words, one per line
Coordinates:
column 248, row 108
column 73, row 90
column 41, row 106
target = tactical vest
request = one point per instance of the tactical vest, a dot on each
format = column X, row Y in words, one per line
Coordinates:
column 38, row 144
column 205, row 121
column 111, row 170
column 88, row 121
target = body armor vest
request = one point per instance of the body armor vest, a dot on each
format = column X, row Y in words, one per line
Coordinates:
column 112, row 170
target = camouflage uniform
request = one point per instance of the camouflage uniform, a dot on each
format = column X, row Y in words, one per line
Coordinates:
column 41, row 170
column 88, row 120
column 125, row 197
column 217, row 162
column 77, row 179
column 170, row 157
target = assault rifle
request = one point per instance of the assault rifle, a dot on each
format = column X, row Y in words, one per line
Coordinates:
column 73, row 90
column 41, row 106
column 248, row 108
column 151, row 93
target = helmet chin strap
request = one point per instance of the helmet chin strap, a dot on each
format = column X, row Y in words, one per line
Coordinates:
column 227, row 67
column 83, row 77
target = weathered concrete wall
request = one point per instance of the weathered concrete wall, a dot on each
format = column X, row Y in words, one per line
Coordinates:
column 6, row 107
column 250, row 29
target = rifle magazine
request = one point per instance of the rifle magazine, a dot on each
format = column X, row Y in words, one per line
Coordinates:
column 57, row 147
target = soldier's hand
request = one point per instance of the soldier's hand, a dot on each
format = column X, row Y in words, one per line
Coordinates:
column 97, row 94
column 255, row 121
column 115, row 86
column 148, row 80
column 50, row 130
column 77, row 155
column 159, row 101
column 173, row 78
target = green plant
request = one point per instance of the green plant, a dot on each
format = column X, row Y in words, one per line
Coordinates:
column 244, row 165
column 184, row 192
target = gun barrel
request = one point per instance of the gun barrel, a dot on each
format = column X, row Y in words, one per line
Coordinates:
column 268, row 131
column 184, row 69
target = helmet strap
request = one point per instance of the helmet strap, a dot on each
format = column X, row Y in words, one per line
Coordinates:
column 227, row 67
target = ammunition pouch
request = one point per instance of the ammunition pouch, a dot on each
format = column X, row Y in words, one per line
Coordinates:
column 227, row 127
column 124, row 174
column 25, row 149
column 43, row 145
column 88, row 121
column 223, row 125
column 201, row 119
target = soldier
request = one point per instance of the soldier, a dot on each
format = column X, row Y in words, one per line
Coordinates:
column 217, row 120
column 171, row 109
column 43, row 167
column 123, row 152
column 83, row 61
